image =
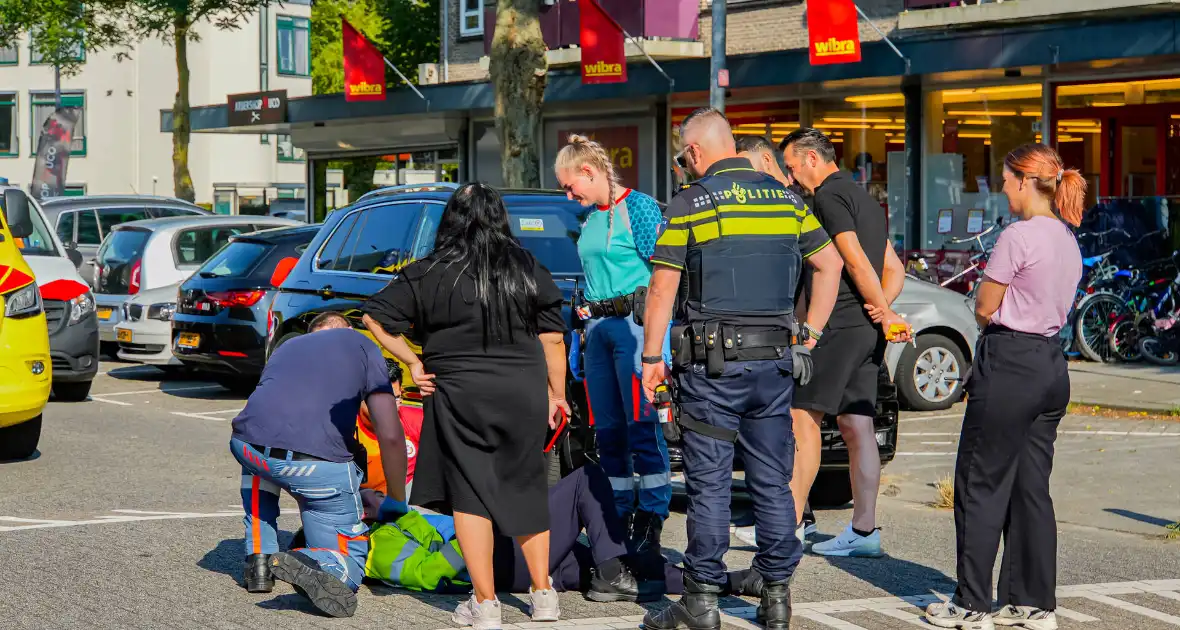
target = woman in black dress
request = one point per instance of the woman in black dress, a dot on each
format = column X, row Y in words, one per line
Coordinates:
column 488, row 318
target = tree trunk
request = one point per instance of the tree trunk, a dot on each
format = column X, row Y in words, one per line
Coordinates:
column 518, row 69
column 182, row 127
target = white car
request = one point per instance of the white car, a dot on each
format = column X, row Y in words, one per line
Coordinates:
column 139, row 256
column 145, row 330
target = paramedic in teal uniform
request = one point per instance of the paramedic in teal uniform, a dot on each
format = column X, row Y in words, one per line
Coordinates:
column 616, row 244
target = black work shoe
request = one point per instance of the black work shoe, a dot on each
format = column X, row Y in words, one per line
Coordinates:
column 326, row 591
column 696, row 610
column 775, row 610
column 645, row 534
column 623, row 588
column 257, row 575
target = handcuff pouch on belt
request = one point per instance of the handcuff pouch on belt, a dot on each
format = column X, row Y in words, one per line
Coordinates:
column 714, row 343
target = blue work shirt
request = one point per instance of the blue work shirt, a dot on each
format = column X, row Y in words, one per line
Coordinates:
column 311, row 392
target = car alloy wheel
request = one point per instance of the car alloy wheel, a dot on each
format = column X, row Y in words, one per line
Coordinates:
column 935, row 374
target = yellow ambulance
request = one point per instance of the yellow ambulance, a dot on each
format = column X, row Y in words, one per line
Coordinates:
column 25, row 367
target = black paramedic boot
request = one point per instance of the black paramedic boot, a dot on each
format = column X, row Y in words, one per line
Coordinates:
column 696, row 610
column 775, row 610
column 257, row 575
column 645, row 534
column 326, row 592
column 621, row 588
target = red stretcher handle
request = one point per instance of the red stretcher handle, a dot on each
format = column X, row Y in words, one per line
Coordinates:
column 557, row 433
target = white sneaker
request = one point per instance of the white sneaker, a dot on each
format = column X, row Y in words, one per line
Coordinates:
column 483, row 615
column 849, row 544
column 1025, row 617
column 948, row 615
column 544, row 605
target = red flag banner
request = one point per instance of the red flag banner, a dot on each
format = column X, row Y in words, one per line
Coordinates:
column 601, row 40
column 832, row 31
column 364, row 67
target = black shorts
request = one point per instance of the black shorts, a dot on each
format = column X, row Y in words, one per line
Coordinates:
column 847, row 366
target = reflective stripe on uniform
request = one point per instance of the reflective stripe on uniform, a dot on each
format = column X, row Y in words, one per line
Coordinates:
column 407, row 550
column 454, row 558
column 622, row 484
column 656, row 480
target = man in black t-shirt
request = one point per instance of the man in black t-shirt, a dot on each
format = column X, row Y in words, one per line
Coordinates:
column 851, row 349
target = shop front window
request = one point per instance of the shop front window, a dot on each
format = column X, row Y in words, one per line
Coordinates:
column 969, row 133
column 1079, row 142
column 1119, row 93
column 342, row 181
column 869, row 135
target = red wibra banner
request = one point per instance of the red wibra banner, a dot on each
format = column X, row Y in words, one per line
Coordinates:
column 601, row 40
column 831, row 29
column 364, row 66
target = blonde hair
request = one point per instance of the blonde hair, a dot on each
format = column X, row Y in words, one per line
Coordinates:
column 1065, row 187
column 583, row 151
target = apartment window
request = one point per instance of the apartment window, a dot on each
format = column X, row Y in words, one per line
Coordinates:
column 287, row 151
column 43, row 106
column 9, row 56
column 35, row 56
column 471, row 17
column 9, row 138
column 294, row 45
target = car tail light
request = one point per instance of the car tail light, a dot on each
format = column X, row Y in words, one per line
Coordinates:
column 133, row 285
column 228, row 299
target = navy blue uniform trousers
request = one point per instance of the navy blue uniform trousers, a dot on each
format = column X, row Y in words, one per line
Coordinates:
column 754, row 399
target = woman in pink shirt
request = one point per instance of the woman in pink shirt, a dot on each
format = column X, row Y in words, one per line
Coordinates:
column 1018, row 390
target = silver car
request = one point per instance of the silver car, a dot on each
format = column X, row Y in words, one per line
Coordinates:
column 145, row 332
column 927, row 373
column 144, row 255
column 83, row 222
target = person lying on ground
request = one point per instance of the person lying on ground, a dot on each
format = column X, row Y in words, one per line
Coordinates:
column 418, row 551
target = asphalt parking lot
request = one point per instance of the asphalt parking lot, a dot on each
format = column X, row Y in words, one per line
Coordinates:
column 129, row 517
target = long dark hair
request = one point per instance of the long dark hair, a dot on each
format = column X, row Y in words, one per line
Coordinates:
column 474, row 232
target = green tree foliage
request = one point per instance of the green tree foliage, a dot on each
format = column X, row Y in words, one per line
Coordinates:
column 327, row 49
column 412, row 33
column 64, row 29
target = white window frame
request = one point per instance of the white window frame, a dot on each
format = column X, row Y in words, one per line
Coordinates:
column 465, row 13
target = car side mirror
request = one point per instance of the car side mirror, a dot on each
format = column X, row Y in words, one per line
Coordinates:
column 16, row 213
column 74, row 255
column 282, row 270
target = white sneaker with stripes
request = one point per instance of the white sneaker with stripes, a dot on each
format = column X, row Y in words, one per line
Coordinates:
column 1025, row 617
column 948, row 615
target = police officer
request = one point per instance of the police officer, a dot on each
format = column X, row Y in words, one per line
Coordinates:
column 740, row 237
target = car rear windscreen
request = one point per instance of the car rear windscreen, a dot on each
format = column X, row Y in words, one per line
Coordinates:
column 118, row 254
column 551, row 234
column 237, row 259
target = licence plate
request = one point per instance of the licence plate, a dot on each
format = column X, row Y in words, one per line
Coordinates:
column 123, row 335
column 105, row 313
column 188, row 340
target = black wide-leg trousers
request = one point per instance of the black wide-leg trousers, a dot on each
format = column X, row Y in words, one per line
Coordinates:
column 1018, row 392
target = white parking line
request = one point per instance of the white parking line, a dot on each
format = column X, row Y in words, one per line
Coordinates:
column 211, row 416
column 937, row 443
column 902, row 608
column 125, row 516
column 111, row 402
column 195, row 388
column 915, row 453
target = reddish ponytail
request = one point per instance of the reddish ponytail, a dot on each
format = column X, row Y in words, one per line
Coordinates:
column 1066, row 188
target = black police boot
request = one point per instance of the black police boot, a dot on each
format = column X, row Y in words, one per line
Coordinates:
column 326, row 592
column 696, row 610
column 257, row 575
column 622, row 587
column 775, row 610
column 645, row 534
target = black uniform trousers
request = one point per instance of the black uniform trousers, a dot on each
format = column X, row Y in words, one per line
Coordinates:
column 1018, row 392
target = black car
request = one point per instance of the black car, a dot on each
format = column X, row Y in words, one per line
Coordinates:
column 361, row 246
column 221, row 319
